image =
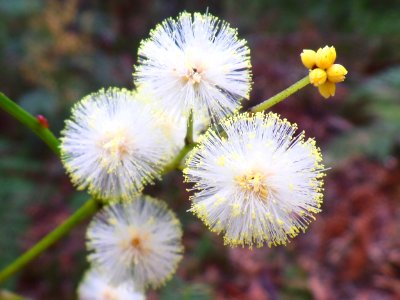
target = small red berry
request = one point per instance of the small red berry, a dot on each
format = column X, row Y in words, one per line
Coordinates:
column 42, row 121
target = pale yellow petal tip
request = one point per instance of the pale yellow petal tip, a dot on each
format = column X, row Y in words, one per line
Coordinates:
column 324, row 73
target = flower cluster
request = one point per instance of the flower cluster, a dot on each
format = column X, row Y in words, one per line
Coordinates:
column 324, row 73
column 95, row 286
column 254, row 180
column 197, row 63
column 137, row 241
column 118, row 141
column 112, row 146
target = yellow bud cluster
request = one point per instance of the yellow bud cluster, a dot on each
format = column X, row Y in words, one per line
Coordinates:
column 324, row 73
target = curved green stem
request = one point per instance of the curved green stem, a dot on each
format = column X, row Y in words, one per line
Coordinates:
column 30, row 121
column 189, row 145
column 282, row 95
column 175, row 163
column 189, row 129
column 88, row 209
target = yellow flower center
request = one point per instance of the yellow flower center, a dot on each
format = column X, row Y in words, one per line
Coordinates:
column 253, row 182
column 139, row 244
column 194, row 65
column 116, row 144
column 193, row 75
column 109, row 294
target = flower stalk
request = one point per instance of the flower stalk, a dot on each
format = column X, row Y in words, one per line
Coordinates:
column 30, row 121
column 88, row 209
column 189, row 145
column 282, row 95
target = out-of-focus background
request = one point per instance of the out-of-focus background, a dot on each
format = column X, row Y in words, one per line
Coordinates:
column 52, row 53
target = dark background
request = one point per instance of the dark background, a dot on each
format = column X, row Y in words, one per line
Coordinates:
column 52, row 53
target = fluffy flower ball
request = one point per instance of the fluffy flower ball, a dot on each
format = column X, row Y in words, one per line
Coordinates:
column 257, row 183
column 196, row 62
column 112, row 145
column 137, row 241
column 95, row 286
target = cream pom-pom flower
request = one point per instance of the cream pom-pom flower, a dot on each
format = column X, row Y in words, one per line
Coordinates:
column 137, row 240
column 174, row 127
column 112, row 144
column 95, row 286
column 256, row 183
column 195, row 63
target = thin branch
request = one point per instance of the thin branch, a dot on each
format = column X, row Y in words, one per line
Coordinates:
column 88, row 209
column 281, row 96
column 30, row 121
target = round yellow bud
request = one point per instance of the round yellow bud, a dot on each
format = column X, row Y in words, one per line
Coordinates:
column 325, row 57
column 308, row 58
column 317, row 76
column 336, row 73
column 327, row 89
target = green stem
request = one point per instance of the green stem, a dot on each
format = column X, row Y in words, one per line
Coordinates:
column 189, row 129
column 88, row 209
column 176, row 162
column 189, row 145
column 30, row 121
column 282, row 95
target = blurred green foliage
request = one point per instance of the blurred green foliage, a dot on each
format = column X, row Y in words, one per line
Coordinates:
column 374, row 110
column 365, row 17
column 179, row 289
column 16, row 193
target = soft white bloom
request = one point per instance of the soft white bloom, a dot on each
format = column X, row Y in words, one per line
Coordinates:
column 174, row 127
column 112, row 144
column 196, row 62
column 175, row 130
column 256, row 182
column 95, row 286
column 138, row 240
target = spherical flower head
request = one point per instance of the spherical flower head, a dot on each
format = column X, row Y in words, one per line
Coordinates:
column 317, row 76
column 137, row 240
column 112, row 144
column 195, row 63
column 308, row 58
column 325, row 57
column 95, row 286
column 336, row 73
column 256, row 183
